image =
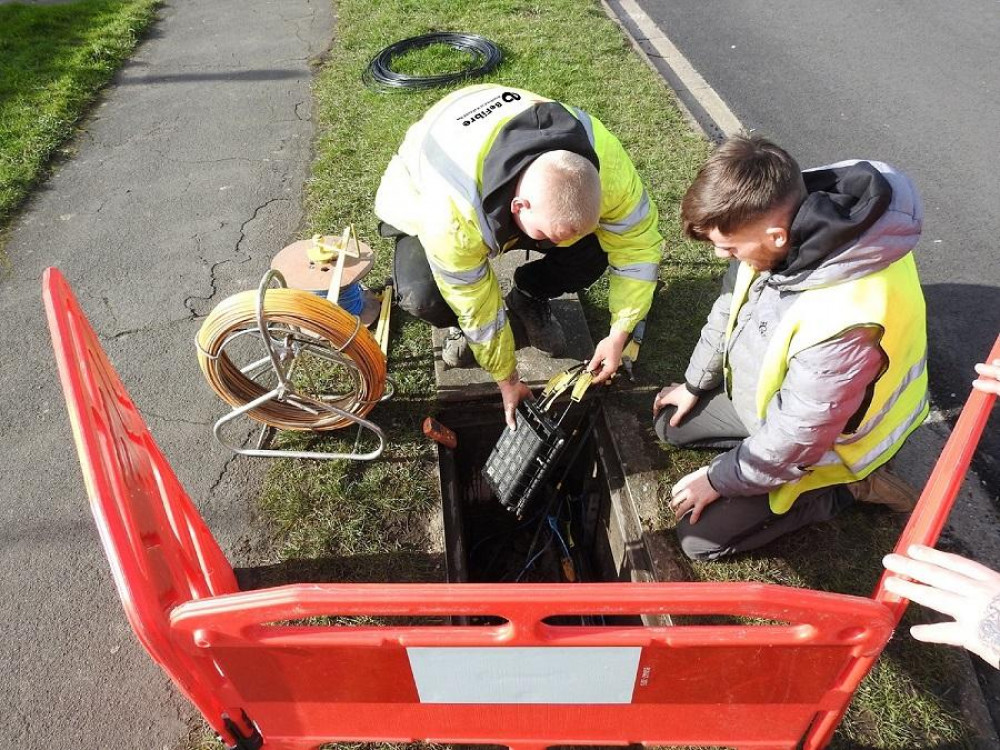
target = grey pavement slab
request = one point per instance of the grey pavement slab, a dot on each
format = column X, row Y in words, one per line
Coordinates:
column 186, row 179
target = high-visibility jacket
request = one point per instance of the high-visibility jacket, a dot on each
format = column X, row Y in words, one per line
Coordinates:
column 433, row 189
column 889, row 300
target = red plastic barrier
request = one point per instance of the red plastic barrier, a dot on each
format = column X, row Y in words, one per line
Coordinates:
column 928, row 518
column 258, row 673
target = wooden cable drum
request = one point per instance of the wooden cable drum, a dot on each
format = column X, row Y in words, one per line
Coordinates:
column 297, row 321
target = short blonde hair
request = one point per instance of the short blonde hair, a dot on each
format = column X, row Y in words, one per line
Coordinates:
column 572, row 187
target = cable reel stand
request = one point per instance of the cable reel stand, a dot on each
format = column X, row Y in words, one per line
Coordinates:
column 322, row 369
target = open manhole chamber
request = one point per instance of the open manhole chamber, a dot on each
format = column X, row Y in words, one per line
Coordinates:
column 587, row 530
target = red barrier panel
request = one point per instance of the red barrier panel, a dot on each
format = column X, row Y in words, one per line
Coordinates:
column 928, row 518
column 261, row 671
column 161, row 553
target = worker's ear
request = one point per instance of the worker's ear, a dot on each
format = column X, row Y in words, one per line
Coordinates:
column 778, row 236
column 519, row 204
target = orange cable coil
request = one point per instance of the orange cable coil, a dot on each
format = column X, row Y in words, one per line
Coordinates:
column 318, row 318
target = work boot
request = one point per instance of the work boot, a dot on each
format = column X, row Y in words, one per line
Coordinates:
column 456, row 351
column 535, row 316
column 882, row 487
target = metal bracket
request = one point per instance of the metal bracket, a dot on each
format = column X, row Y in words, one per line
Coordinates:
column 252, row 741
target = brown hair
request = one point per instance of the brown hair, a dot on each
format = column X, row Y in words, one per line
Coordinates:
column 745, row 178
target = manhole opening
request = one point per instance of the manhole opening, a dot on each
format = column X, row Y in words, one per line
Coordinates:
column 573, row 533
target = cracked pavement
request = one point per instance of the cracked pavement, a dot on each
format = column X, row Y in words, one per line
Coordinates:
column 183, row 182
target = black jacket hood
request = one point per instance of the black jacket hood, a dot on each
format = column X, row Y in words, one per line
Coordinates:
column 842, row 204
column 545, row 127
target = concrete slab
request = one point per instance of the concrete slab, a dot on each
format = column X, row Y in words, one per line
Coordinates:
column 535, row 368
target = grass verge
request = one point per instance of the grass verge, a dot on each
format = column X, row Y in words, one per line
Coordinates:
column 561, row 48
column 53, row 61
column 374, row 521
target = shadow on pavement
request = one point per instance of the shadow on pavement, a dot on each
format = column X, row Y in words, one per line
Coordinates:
column 233, row 75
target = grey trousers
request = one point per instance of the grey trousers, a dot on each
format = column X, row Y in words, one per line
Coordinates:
column 737, row 524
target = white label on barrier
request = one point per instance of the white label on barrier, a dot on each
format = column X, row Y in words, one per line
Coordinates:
column 546, row 674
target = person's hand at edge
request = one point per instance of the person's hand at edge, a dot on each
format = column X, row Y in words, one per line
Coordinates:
column 692, row 494
column 675, row 394
column 955, row 586
column 608, row 356
column 989, row 377
column 512, row 391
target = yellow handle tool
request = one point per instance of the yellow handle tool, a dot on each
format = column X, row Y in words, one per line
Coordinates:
column 382, row 327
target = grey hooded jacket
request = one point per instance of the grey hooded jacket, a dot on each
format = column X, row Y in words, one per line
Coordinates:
column 859, row 217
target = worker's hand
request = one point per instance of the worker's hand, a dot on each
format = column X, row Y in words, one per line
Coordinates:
column 675, row 394
column 692, row 494
column 989, row 377
column 608, row 356
column 512, row 391
column 954, row 586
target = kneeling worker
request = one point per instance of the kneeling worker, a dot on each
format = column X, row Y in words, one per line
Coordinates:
column 490, row 169
column 811, row 368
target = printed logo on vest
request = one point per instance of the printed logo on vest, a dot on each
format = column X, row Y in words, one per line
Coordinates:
column 487, row 108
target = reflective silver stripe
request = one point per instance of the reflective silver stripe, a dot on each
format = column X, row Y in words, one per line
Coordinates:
column 639, row 214
column 914, row 372
column 463, row 183
column 488, row 331
column 859, row 466
column 460, row 278
column 584, row 119
column 637, row 271
column 830, row 458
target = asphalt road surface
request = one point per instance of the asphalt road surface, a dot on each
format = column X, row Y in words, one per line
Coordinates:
column 915, row 84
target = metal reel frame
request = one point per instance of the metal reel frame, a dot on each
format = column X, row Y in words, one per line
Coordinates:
column 281, row 358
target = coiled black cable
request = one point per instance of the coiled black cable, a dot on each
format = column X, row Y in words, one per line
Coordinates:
column 380, row 75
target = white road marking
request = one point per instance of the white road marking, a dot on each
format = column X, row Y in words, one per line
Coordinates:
column 690, row 78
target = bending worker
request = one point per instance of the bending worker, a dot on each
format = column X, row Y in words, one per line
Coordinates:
column 811, row 368
column 490, row 169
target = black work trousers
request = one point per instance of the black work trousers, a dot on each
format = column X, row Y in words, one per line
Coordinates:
column 737, row 524
column 561, row 270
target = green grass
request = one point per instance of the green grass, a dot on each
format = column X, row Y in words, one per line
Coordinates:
column 561, row 48
column 53, row 61
column 351, row 521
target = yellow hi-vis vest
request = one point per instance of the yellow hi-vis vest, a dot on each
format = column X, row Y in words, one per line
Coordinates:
column 889, row 300
column 431, row 189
